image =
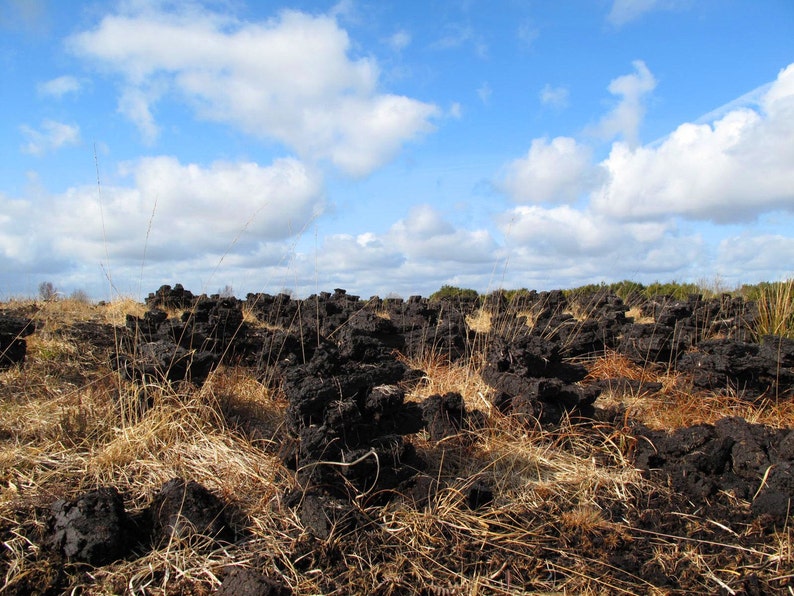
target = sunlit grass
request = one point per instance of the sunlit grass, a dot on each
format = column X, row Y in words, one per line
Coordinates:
column 776, row 310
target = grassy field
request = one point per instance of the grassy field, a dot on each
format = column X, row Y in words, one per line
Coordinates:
column 570, row 515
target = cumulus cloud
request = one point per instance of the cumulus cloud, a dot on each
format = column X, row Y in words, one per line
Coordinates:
column 349, row 254
column 60, row 86
column 171, row 212
column 290, row 78
column 136, row 104
column 16, row 243
column 272, row 202
column 634, row 217
column 559, row 230
column 51, row 136
column 555, row 171
column 579, row 246
column 728, row 171
column 417, row 254
column 425, row 235
column 624, row 120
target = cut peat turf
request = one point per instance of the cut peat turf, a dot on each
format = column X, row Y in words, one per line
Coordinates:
column 333, row 445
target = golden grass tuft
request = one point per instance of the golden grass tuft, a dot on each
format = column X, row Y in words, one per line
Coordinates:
column 116, row 311
column 442, row 377
column 776, row 310
column 251, row 318
column 635, row 314
column 480, row 321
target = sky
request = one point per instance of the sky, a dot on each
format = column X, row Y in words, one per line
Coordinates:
column 390, row 148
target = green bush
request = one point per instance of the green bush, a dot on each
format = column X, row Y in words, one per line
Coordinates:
column 585, row 291
column 678, row 290
column 454, row 293
column 631, row 292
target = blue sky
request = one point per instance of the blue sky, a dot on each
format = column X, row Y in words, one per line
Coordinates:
column 392, row 147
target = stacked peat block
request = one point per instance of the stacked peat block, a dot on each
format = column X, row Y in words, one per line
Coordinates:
column 13, row 331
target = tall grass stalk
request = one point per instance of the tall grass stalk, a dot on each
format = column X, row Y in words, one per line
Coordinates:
column 776, row 310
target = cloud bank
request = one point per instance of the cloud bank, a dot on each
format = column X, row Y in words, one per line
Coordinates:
column 291, row 79
column 172, row 216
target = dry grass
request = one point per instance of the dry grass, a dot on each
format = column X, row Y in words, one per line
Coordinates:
column 250, row 317
column 441, row 377
column 115, row 312
column 480, row 321
column 635, row 314
column 776, row 310
column 677, row 404
column 565, row 500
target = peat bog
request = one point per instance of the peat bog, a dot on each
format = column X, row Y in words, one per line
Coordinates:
column 543, row 442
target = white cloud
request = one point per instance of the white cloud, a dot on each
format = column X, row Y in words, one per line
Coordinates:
column 60, row 86
column 344, row 9
column 425, row 235
column 578, row 246
column 628, row 216
column 454, row 37
column 136, row 105
column 751, row 258
column 272, row 202
column 751, row 99
column 16, row 242
column 729, row 171
column 556, row 97
column 559, row 230
column 365, row 253
column 177, row 211
column 52, row 136
column 172, row 222
column 624, row 120
column 625, row 11
column 290, row 78
column 551, row 172
column 416, row 255
column 777, row 102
